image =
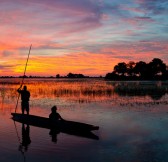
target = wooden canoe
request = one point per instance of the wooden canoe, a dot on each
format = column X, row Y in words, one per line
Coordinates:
column 64, row 126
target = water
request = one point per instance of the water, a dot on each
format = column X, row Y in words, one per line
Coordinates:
column 132, row 117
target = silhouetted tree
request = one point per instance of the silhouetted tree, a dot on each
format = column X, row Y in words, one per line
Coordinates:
column 156, row 67
column 141, row 69
column 130, row 68
column 153, row 70
column 80, row 76
column 23, row 76
column 112, row 76
column 58, row 76
column 71, row 75
column 121, row 68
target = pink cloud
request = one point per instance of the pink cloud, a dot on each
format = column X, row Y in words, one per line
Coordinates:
column 77, row 35
column 133, row 9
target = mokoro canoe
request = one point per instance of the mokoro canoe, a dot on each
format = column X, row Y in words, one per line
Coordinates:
column 64, row 126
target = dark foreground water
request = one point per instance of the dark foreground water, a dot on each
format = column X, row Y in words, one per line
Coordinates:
column 132, row 116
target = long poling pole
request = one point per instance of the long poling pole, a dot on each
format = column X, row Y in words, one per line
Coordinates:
column 23, row 76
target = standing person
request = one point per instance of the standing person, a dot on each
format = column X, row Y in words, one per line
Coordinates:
column 25, row 95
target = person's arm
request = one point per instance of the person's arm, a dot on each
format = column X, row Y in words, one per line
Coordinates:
column 60, row 117
column 19, row 89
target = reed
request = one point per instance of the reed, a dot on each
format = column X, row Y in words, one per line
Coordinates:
column 88, row 90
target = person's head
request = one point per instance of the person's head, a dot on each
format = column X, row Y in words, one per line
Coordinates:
column 25, row 88
column 54, row 108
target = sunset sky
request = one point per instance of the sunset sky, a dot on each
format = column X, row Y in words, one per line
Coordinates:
column 80, row 36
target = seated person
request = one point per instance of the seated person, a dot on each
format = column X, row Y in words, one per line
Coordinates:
column 54, row 116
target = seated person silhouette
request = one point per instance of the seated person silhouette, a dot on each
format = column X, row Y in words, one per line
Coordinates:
column 53, row 133
column 54, row 116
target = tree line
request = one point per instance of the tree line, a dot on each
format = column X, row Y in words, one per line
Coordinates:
column 154, row 70
column 72, row 75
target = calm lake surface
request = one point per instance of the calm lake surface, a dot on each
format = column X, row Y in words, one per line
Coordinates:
column 132, row 116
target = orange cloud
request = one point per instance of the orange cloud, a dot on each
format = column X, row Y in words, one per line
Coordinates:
column 86, row 63
column 77, row 36
column 57, row 59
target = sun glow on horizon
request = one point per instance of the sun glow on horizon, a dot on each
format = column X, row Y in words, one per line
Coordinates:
column 88, row 37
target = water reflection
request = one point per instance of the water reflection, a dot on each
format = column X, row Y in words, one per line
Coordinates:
column 25, row 137
column 54, row 133
column 85, row 91
column 62, row 126
column 127, row 134
column 80, row 133
column 156, row 90
column 24, row 144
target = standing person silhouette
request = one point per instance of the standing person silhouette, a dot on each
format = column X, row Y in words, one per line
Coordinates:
column 25, row 138
column 25, row 95
column 54, row 118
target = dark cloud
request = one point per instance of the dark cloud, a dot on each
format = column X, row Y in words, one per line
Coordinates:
column 145, row 18
column 2, row 67
column 155, row 7
column 70, row 6
column 63, row 16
